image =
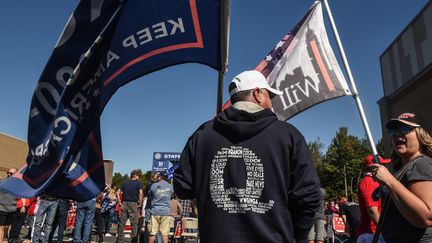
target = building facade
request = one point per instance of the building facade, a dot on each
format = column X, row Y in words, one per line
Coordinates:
column 13, row 153
column 406, row 69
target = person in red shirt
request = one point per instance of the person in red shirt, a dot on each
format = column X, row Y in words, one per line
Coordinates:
column 331, row 208
column 370, row 207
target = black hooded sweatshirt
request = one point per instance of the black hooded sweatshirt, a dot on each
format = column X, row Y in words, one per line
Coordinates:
column 253, row 179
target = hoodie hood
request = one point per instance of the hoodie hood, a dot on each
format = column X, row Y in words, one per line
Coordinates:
column 241, row 125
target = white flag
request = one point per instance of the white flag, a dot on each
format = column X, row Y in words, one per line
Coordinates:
column 304, row 67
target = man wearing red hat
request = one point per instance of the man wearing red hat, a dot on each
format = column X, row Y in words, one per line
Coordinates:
column 370, row 207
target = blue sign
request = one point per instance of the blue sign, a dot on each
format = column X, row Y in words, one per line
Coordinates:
column 162, row 161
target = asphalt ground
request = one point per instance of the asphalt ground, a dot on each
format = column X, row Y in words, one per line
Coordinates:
column 68, row 236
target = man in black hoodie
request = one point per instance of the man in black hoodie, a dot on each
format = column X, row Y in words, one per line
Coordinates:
column 252, row 175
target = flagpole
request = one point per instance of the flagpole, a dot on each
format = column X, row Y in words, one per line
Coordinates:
column 221, row 77
column 352, row 82
column 225, row 14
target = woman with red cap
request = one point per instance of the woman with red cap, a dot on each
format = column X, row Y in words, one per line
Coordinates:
column 407, row 195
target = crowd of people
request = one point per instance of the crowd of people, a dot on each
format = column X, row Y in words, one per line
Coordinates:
column 253, row 180
column 47, row 217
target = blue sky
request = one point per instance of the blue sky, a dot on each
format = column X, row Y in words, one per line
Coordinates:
column 158, row 112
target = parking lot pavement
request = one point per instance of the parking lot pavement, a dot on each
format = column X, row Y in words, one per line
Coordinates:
column 68, row 236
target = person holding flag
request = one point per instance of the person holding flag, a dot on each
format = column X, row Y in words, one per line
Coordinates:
column 406, row 196
column 251, row 174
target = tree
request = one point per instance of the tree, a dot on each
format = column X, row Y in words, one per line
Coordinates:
column 342, row 164
column 145, row 178
column 118, row 179
column 317, row 156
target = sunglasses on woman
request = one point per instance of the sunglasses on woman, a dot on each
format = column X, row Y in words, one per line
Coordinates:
column 400, row 130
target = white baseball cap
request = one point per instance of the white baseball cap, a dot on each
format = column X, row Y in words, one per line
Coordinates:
column 251, row 79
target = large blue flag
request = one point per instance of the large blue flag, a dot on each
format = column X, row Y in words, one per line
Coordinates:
column 106, row 44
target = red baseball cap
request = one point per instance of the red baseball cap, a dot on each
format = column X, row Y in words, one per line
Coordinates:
column 368, row 160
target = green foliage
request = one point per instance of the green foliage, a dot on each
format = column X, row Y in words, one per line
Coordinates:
column 118, row 179
column 145, row 178
column 317, row 156
column 342, row 164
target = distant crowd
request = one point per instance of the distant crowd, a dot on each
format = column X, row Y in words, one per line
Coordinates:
column 51, row 219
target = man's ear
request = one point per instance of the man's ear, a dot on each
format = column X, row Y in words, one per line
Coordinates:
column 256, row 93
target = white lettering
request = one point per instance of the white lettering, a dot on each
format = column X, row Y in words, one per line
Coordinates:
column 63, row 75
column 110, row 57
column 245, row 199
column 130, row 41
column 55, row 137
column 66, row 121
column 50, row 108
column 308, row 83
column 162, row 29
column 78, row 102
column 176, row 26
column 291, row 102
column 157, row 31
column 171, row 156
column 294, row 93
column 39, row 150
column 146, row 36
